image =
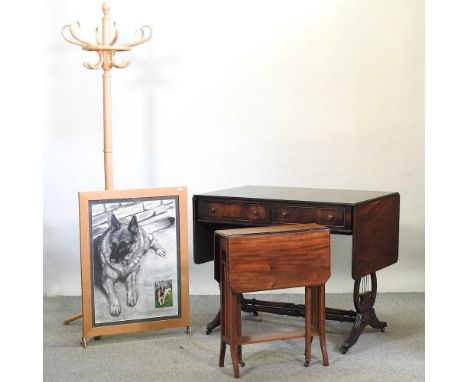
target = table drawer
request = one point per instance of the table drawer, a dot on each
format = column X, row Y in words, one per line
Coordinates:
column 233, row 211
column 329, row 216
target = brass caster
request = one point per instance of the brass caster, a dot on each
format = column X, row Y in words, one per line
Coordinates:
column 242, row 363
column 188, row 331
column 306, row 363
column 84, row 343
column 382, row 330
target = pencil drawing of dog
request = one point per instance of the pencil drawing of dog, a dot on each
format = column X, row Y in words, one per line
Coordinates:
column 118, row 253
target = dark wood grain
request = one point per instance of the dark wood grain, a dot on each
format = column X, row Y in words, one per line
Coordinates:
column 331, row 216
column 316, row 195
column 375, row 235
column 372, row 217
column 253, row 212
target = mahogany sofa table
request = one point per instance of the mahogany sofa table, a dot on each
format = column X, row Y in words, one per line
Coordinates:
column 371, row 217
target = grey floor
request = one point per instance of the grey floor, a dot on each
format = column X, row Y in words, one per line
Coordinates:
column 170, row 355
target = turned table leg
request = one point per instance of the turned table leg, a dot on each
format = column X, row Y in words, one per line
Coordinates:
column 364, row 295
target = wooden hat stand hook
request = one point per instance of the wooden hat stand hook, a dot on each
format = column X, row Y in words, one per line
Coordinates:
column 106, row 46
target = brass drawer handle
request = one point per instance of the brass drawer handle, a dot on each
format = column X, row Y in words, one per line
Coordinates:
column 255, row 212
column 284, row 214
column 329, row 217
column 213, row 210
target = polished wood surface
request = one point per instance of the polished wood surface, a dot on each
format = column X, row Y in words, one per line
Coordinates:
column 375, row 235
column 373, row 222
column 288, row 194
column 233, row 232
column 266, row 258
column 334, row 216
column 266, row 261
column 371, row 217
column 233, row 211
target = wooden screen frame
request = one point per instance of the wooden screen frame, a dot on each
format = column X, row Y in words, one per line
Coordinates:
column 86, row 280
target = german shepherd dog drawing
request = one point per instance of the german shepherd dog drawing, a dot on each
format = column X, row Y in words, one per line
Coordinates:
column 118, row 253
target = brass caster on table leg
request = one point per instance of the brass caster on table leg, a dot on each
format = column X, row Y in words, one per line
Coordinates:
column 242, row 363
column 84, row 343
column 306, row 363
column 188, row 331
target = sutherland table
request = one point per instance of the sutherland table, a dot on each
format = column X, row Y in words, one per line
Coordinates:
column 371, row 217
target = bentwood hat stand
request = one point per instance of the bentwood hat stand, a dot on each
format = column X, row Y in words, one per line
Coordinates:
column 267, row 258
column 106, row 47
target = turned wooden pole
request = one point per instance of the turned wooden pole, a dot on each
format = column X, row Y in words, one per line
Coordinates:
column 107, row 111
column 108, row 166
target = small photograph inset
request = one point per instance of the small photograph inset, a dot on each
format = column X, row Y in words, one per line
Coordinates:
column 163, row 294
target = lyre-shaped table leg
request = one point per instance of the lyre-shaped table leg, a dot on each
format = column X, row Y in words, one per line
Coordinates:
column 364, row 299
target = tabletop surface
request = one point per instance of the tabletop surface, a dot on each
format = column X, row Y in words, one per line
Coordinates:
column 318, row 195
column 277, row 229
